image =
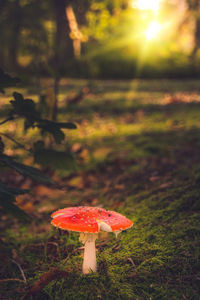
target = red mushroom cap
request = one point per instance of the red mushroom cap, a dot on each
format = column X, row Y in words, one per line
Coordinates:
column 89, row 219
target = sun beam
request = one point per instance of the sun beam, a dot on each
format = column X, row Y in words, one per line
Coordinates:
column 152, row 5
column 153, row 30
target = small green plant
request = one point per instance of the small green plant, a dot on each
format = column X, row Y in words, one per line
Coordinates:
column 25, row 109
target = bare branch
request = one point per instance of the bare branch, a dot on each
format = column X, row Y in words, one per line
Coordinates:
column 6, row 120
column 20, row 268
column 14, row 141
column 11, row 279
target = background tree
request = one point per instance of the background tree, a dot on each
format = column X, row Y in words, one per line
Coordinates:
column 96, row 38
column 194, row 8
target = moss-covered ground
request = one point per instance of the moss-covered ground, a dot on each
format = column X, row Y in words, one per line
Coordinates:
column 138, row 153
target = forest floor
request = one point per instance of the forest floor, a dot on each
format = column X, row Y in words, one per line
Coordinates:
column 137, row 150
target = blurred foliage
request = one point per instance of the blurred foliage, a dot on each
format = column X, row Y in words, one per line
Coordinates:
column 113, row 42
column 62, row 160
column 26, row 109
column 7, row 199
column 6, row 80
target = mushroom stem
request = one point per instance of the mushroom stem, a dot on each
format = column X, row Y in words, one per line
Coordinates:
column 89, row 260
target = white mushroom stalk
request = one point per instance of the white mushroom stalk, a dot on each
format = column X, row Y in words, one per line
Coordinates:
column 88, row 239
column 89, row 259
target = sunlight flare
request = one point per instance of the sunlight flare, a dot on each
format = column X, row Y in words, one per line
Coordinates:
column 153, row 30
column 146, row 4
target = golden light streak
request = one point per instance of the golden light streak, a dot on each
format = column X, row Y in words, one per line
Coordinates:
column 153, row 30
column 152, row 5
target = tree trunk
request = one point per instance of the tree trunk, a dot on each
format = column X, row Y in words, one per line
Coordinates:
column 194, row 9
column 15, row 25
column 75, row 33
column 63, row 43
column 63, row 51
column 55, row 104
column 196, row 38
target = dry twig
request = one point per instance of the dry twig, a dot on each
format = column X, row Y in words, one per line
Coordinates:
column 45, row 279
column 20, row 268
column 11, row 279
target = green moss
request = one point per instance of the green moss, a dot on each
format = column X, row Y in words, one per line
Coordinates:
column 156, row 259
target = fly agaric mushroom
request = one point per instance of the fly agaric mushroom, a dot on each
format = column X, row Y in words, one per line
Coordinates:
column 89, row 221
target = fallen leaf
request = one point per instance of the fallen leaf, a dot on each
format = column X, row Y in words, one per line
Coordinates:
column 41, row 190
column 84, row 155
column 47, row 208
column 165, row 185
column 77, row 147
column 119, row 186
column 132, row 275
column 101, row 153
column 76, row 182
column 23, row 202
column 154, row 178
